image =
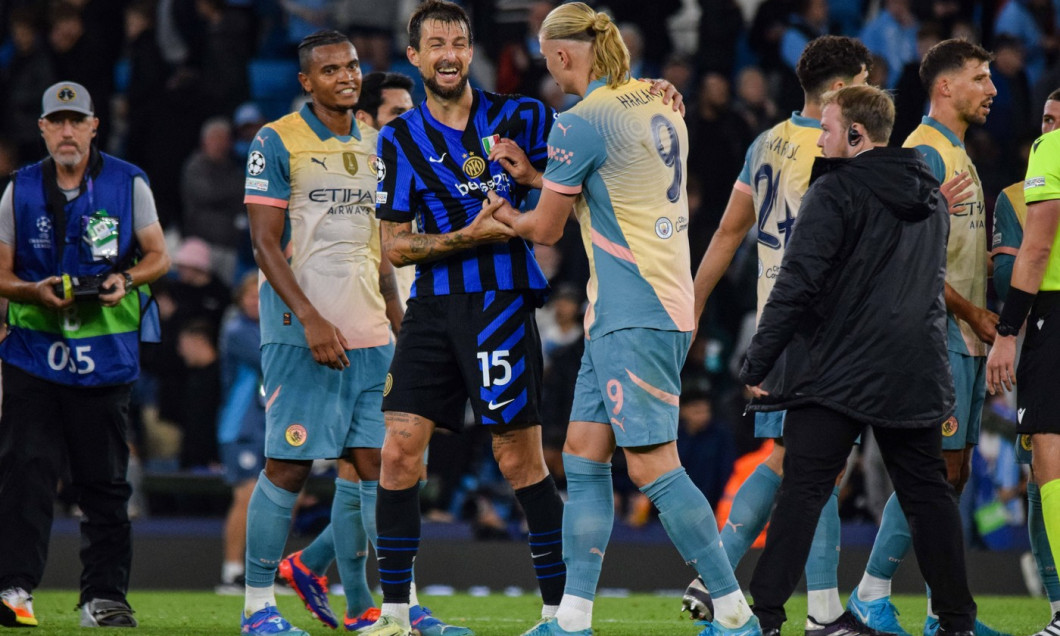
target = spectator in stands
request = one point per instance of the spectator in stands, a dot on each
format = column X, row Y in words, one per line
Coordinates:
column 753, row 101
column 892, row 35
column 84, row 57
column 718, row 139
column 520, row 66
column 201, row 396
column 910, row 96
column 721, row 27
column 23, row 79
column 240, row 425
column 1032, row 23
column 227, row 46
column 370, row 25
column 704, row 445
column 633, row 38
column 212, row 192
column 1011, row 121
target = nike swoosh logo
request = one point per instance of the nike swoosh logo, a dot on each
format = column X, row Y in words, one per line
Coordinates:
column 494, row 407
column 864, row 618
column 534, row 556
column 438, row 160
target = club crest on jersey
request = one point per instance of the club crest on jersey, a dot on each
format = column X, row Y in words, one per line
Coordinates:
column 664, row 228
column 256, row 163
column 388, row 385
column 474, row 166
column 378, row 167
column 295, row 435
column 949, row 427
column 349, row 161
column 1025, row 442
column 489, row 142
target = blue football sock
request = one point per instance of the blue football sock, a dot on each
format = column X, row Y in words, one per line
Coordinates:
column 688, row 519
column 319, row 554
column 351, row 545
column 1043, row 556
column 369, row 492
column 587, row 520
column 823, row 563
column 892, row 542
column 268, row 517
column 749, row 513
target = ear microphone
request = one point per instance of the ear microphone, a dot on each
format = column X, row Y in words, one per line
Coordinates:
column 853, row 136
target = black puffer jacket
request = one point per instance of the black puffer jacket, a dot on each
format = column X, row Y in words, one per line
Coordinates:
column 858, row 308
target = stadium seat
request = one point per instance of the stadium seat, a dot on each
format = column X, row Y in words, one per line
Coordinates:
column 274, row 85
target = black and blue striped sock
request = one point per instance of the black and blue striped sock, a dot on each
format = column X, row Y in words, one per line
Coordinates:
column 543, row 508
column 398, row 523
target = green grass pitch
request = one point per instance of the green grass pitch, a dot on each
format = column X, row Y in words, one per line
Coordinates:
column 200, row 613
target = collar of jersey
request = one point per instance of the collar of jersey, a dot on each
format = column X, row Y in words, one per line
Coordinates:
column 439, row 125
column 322, row 131
column 595, row 84
column 946, row 132
column 805, row 122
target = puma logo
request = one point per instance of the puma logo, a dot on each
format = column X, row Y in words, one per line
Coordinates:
column 320, row 161
column 563, row 128
column 596, row 551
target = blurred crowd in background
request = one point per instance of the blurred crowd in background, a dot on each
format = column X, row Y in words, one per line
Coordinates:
column 182, row 86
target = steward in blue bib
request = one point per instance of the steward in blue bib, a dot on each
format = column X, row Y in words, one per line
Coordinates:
column 85, row 344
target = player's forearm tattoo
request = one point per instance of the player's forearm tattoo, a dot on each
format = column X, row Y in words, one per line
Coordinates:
column 405, row 247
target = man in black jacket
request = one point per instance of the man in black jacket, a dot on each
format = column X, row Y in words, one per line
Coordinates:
column 858, row 308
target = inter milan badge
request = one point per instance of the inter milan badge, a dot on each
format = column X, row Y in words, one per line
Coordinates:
column 389, row 385
column 295, row 435
column 474, row 166
column 255, row 163
column 349, row 161
column 949, row 427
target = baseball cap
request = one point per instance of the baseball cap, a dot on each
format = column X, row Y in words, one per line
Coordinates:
column 66, row 96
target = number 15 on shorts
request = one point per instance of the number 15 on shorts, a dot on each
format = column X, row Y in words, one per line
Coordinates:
column 490, row 360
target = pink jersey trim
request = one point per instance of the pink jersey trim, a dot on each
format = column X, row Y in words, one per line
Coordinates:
column 655, row 392
column 272, row 398
column 562, row 189
column 612, row 248
column 260, row 200
column 1011, row 251
column 742, row 187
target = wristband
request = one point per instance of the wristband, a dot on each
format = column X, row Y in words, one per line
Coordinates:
column 1017, row 305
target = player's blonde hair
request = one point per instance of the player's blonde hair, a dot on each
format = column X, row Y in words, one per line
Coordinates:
column 577, row 21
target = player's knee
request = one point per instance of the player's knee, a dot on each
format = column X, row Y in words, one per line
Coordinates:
column 400, row 464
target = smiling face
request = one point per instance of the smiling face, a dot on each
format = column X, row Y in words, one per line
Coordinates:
column 68, row 136
column 972, row 91
column 334, row 76
column 443, row 57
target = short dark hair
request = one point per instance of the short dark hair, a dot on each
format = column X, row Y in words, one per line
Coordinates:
column 950, row 55
column 828, row 58
column 1054, row 96
column 312, row 41
column 440, row 10
column 869, row 106
column 372, row 87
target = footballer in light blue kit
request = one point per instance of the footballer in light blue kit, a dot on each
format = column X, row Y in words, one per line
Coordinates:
column 618, row 158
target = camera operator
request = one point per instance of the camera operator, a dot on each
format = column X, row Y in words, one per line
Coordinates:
column 77, row 220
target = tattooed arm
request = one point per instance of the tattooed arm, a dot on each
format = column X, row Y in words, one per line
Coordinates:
column 388, row 287
column 402, row 246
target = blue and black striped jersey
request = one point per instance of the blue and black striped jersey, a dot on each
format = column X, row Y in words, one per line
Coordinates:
column 439, row 176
